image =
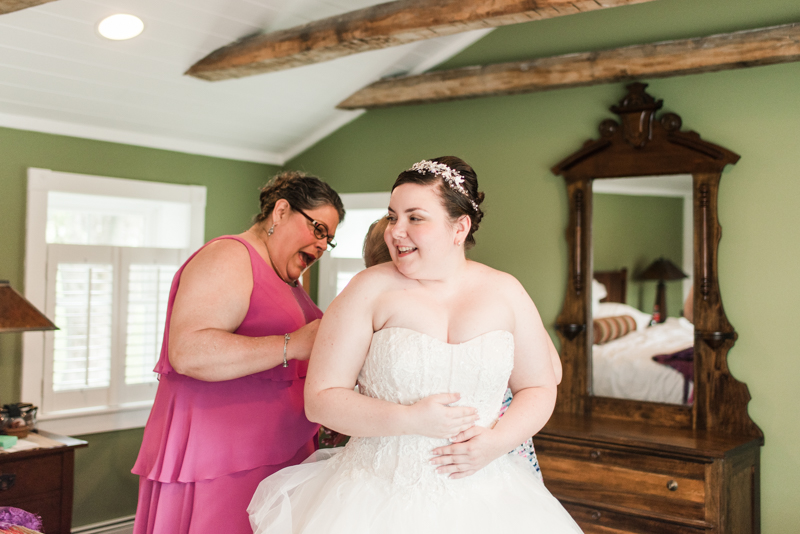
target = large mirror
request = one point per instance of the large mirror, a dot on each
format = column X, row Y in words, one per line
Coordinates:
column 643, row 233
column 642, row 240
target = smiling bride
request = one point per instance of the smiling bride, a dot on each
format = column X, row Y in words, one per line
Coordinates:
column 432, row 340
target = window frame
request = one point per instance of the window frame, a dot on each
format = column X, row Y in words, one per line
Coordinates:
column 328, row 265
column 116, row 415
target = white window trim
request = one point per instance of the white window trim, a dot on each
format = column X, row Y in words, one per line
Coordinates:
column 326, row 288
column 40, row 182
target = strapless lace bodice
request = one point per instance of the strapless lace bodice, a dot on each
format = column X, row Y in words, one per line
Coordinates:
column 404, row 366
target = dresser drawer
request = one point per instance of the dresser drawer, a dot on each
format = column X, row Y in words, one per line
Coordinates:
column 37, row 475
column 628, row 480
column 597, row 521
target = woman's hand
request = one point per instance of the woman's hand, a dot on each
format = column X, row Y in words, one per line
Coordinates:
column 471, row 451
column 432, row 417
column 301, row 341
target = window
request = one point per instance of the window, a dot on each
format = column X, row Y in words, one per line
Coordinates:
column 100, row 257
column 339, row 266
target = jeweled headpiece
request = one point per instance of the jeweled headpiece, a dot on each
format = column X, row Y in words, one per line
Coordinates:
column 450, row 176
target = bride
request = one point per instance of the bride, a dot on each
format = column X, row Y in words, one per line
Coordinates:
column 432, row 340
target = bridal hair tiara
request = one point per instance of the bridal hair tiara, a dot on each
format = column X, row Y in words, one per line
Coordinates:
column 451, row 176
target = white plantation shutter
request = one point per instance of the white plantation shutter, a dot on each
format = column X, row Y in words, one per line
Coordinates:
column 146, row 278
column 82, row 292
column 107, row 301
column 84, row 301
column 148, row 292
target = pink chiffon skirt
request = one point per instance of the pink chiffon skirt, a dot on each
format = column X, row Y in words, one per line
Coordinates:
column 204, row 507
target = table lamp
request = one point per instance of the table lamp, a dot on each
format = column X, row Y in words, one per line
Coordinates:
column 662, row 270
column 19, row 315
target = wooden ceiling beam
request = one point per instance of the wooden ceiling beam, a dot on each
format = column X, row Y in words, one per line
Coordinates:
column 767, row 46
column 376, row 27
column 8, row 6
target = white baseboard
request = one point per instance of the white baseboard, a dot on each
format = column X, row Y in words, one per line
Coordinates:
column 121, row 525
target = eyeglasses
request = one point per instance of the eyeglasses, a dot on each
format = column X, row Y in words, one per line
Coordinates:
column 320, row 230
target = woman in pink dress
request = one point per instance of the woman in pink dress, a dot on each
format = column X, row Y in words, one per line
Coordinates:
column 239, row 331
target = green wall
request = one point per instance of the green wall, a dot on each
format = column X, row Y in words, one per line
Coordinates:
column 513, row 141
column 632, row 231
column 104, row 486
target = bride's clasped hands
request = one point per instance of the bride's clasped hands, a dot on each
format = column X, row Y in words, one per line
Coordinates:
column 471, row 450
column 435, row 418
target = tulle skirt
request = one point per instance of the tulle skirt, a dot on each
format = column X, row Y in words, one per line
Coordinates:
column 323, row 496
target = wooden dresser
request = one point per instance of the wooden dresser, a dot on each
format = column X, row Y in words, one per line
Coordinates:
column 41, row 480
column 621, row 465
column 621, row 477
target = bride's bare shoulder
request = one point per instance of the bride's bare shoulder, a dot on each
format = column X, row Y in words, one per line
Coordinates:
column 484, row 274
column 501, row 283
column 375, row 280
column 363, row 294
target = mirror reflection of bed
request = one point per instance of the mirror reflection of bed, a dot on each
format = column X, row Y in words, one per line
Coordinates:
column 635, row 222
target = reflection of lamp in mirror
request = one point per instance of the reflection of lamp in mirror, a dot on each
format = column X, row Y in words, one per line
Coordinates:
column 662, row 270
column 19, row 315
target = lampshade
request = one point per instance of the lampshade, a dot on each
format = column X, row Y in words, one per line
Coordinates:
column 662, row 269
column 19, row 315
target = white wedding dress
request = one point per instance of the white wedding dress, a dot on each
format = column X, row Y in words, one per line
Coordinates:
column 386, row 485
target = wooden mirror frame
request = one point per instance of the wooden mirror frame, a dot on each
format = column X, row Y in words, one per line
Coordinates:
column 641, row 145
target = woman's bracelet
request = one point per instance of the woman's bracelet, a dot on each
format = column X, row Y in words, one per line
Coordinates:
column 286, row 339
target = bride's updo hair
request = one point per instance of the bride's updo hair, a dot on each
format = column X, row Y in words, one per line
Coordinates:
column 456, row 202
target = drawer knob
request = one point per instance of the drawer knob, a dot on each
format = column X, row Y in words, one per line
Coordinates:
column 672, row 485
column 595, row 515
column 594, row 455
column 7, row 481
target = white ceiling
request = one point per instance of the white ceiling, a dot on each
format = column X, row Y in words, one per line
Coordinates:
column 57, row 75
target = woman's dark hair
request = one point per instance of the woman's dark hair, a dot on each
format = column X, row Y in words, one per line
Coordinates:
column 455, row 202
column 301, row 191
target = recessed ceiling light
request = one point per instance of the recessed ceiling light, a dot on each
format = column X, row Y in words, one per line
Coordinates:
column 120, row 27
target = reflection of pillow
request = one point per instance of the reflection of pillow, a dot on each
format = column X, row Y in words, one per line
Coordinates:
column 610, row 328
column 613, row 309
column 599, row 292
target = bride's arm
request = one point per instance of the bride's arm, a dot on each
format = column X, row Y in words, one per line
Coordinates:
column 533, row 380
column 533, row 384
column 339, row 353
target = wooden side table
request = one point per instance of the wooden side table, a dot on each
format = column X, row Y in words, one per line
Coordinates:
column 40, row 480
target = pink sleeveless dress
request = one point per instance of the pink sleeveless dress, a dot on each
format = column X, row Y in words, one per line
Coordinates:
column 207, row 445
